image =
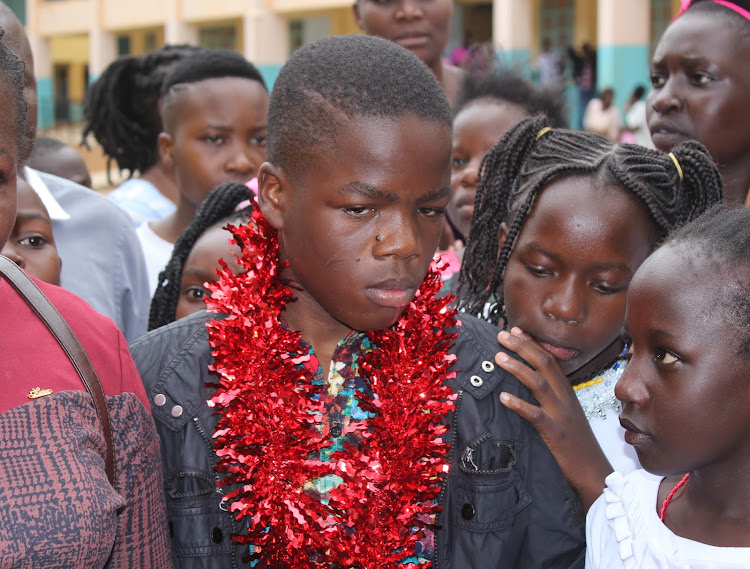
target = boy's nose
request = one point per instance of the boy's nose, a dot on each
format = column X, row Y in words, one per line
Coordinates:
column 399, row 240
column 470, row 175
column 630, row 388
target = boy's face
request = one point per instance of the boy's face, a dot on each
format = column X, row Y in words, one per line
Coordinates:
column 217, row 135
column 8, row 161
column 360, row 225
column 31, row 244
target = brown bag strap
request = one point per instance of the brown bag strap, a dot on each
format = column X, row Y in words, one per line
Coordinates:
column 60, row 329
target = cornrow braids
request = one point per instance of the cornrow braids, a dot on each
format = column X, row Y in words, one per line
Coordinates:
column 522, row 163
column 218, row 207
column 121, row 108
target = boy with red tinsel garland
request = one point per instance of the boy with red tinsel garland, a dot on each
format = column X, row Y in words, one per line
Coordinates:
column 331, row 410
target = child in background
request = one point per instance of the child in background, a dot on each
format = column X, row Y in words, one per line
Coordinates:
column 214, row 106
column 195, row 259
column 31, row 244
column 122, row 112
column 564, row 219
column 700, row 81
column 685, row 407
column 338, row 452
column 486, row 108
column 55, row 157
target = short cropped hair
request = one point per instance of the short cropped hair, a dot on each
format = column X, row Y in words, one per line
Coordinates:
column 202, row 66
column 328, row 82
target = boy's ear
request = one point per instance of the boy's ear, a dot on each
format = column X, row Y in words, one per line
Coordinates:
column 355, row 10
column 166, row 149
column 502, row 235
column 272, row 192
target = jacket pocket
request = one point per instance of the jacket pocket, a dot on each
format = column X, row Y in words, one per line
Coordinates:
column 489, row 491
column 197, row 523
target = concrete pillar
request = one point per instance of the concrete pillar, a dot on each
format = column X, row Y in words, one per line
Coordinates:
column 43, row 68
column 513, row 30
column 623, row 46
column 102, row 43
column 265, row 40
column 175, row 29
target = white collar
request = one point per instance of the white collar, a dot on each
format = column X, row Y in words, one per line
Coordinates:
column 54, row 209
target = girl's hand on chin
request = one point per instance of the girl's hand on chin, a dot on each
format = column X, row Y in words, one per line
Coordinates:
column 558, row 418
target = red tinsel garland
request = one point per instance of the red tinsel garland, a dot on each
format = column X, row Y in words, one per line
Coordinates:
column 266, row 432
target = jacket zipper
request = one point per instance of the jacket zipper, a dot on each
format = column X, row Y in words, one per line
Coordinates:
column 232, row 524
column 450, row 461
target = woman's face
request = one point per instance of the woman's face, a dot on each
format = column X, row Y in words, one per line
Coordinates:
column 421, row 26
column 701, row 83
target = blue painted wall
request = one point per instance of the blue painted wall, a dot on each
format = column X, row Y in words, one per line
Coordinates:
column 269, row 73
column 622, row 67
column 45, row 88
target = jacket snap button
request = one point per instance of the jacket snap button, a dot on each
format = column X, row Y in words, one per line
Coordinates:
column 476, row 381
column 468, row 511
column 176, row 410
column 335, row 429
column 159, row 399
column 217, row 535
column 488, row 366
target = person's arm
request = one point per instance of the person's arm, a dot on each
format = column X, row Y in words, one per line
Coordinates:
column 558, row 418
column 142, row 534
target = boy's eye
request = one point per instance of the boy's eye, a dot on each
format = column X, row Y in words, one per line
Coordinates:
column 357, row 210
column 215, row 139
column 432, row 211
column 258, row 140
column 34, row 241
column 665, row 357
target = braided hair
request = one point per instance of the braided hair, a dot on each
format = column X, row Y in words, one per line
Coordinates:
column 121, row 108
column 219, row 207
column 522, row 163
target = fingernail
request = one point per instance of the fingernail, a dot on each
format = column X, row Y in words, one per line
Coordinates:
column 516, row 330
column 502, row 356
column 504, row 397
column 503, row 335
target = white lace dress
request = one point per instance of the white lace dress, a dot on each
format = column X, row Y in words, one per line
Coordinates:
column 623, row 531
column 603, row 412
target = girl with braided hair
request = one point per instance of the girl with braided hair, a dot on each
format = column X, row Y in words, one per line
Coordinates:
column 563, row 220
column 194, row 260
column 123, row 115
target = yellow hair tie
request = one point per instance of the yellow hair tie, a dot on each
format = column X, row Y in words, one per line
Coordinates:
column 677, row 165
column 542, row 132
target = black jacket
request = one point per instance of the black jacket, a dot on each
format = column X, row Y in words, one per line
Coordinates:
column 505, row 503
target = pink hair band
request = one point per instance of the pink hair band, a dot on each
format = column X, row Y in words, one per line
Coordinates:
column 732, row 6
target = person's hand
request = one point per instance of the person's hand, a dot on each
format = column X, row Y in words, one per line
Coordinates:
column 558, row 418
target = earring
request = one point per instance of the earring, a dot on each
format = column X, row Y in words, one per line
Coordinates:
column 379, row 238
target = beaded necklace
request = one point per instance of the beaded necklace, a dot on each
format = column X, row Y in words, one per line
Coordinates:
column 668, row 499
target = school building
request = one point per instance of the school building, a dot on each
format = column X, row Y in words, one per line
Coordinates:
column 74, row 40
